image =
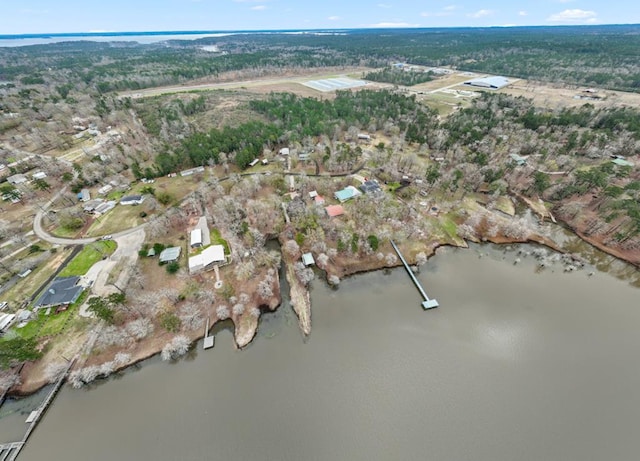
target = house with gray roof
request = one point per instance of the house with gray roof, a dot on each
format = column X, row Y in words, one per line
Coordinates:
column 62, row 291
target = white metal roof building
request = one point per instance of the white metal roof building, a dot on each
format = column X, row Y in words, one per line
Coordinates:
column 494, row 83
column 196, row 238
column 206, row 259
column 170, row 254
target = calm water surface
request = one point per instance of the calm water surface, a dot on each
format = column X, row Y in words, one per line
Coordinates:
column 514, row 365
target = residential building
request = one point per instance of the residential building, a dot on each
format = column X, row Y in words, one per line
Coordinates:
column 62, row 291
column 334, row 210
column 347, row 193
column 196, row 238
column 132, row 200
column 208, row 258
column 170, row 255
column 371, row 187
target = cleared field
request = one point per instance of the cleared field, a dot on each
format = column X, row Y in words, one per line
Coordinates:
column 558, row 96
column 333, row 84
column 120, row 218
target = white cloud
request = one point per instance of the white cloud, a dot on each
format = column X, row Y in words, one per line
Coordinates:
column 437, row 14
column 446, row 11
column 392, row 25
column 522, row 13
column 259, row 8
column 575, row 15
column 480, row 14
column 334, row 18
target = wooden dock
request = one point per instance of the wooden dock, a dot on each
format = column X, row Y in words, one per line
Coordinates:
column 10, row 451
column 209, row 341
column 427, row 303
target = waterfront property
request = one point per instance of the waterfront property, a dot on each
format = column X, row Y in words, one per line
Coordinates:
column 205, row 260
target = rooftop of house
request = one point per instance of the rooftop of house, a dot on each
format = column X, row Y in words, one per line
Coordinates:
column 334, row 210
column 62, row 290
column 347, row 193
column 170, row 254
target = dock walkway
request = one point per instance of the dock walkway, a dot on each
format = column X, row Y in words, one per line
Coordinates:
column 10, row 451
column 427, row 303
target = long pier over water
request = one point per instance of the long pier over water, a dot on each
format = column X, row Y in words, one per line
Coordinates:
column 10, row 451
column 427, row 303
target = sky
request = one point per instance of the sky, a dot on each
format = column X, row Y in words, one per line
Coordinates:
column 47, row 16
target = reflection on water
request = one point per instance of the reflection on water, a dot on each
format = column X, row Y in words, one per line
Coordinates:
column 514, row 365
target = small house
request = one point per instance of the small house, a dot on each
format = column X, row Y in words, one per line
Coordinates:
column 254, row 162
column 347, row 193
column 209, row 257
column 518, row 160
column 62, row 291
column 334, row 210
column 39, row 175
column 132, row 200
column 371, row 187
column 196, row 238
column 364, row 137
column 105, row 189
column 17, row 179
column 5, row 321
column 284, row 151
column 170, row 255
column 84, row 195
column 104, row 207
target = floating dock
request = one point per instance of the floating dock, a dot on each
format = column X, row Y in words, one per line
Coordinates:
column 427, row 303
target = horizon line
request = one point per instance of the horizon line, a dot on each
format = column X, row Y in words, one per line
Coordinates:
column 319, row 29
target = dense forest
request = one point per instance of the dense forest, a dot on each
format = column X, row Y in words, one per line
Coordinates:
column 292, row 119
column 605, row 56
column 399, row 76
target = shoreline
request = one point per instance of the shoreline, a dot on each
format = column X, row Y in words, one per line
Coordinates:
column 245, row 331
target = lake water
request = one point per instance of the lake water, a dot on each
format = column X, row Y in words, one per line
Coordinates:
column 515, row 364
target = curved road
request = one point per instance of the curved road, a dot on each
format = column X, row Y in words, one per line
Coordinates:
column 43, row 235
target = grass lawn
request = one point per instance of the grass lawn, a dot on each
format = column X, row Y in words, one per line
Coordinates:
column 118, row 219
column 216, row 239
column 52, row 324
column 64, row 232
column 89, row 255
